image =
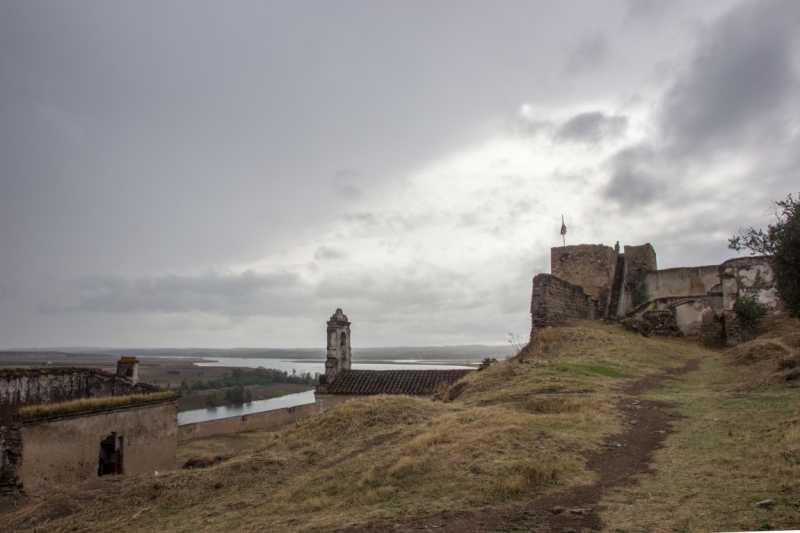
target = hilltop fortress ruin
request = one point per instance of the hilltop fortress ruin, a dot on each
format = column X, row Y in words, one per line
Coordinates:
column 593, row 281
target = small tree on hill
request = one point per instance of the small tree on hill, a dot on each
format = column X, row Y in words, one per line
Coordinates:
column 781, row 244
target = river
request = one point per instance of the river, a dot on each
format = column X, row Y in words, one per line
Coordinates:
column 300, row 398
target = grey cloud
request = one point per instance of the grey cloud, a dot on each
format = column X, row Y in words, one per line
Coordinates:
column 421, row 288
column 344, row 184
column 325, row 253
column 633, row 182
column 591, row 127
column 738, row 83
column 588, row 54
column 247, row 293
column 650, row 10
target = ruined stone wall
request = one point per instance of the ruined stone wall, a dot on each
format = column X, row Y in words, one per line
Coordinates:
column 748, row 275
column 30, row 386
column 590, row 266
column 639, row 259
column 555, row 301
column 699, row 316
column 661, row 323
column 27, row 386
column 64, row 450
column 681, row 282
column 251, row 422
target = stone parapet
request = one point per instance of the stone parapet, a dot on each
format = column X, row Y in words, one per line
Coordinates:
column 554, row 301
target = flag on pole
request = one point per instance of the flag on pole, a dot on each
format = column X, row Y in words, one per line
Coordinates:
column 563, row 230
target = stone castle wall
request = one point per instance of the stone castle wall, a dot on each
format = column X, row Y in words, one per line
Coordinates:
column 682, row 282
column 555, row 301
column 699, row 300
column 590, row 266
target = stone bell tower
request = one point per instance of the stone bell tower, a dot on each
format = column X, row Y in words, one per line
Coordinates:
column 338, row 346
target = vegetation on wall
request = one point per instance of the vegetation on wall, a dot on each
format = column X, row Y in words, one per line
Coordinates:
column 781, row 244
column 749, row 310
column 90, row 404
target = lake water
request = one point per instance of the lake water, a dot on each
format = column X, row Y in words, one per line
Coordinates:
column 300, row 398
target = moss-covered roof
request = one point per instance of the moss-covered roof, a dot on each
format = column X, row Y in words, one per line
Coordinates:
column 87, row 405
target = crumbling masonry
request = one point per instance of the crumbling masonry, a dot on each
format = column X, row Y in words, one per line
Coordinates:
column 593, row 281
column 65, row 442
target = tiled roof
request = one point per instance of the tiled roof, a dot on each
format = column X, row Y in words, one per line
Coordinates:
column 412, row 382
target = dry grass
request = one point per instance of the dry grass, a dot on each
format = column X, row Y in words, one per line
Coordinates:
column 90, row 404
column 773, row 357
column 733, row 449
column 520, row 428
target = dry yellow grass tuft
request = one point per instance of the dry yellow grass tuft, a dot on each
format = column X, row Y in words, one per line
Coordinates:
column 773, row 357
column 90, row 404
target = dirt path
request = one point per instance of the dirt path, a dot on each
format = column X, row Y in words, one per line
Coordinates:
column 625, row 456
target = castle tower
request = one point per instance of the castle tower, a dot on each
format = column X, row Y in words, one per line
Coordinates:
column 338, row 346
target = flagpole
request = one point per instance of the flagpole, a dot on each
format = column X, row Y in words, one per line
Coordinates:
column 563, row 231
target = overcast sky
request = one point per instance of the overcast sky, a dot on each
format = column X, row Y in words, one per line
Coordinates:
column 223, row 174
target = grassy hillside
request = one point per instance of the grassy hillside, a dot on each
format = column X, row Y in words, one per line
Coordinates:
column 487, row 448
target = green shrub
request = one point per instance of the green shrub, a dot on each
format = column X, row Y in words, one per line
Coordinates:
column 487, row 362
column 212, row 400
column 781, row 246
column 238, row 395
column 749, row 309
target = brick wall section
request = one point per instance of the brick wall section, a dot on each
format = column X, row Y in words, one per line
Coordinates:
column 555, row 301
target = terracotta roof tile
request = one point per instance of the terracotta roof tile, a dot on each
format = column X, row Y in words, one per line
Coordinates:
column 412, row 382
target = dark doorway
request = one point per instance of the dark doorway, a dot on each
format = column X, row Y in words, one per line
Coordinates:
column 112, row 450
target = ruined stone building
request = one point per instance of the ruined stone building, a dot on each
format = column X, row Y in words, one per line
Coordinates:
column 60, row 426
column 593, row 281
column 341, row 383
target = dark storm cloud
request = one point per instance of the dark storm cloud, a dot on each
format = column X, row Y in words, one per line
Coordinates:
column 247, row 293
column 739, row 82
column 736, row 96
column 591, row 127
column 633, row 179
column 588, row 54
